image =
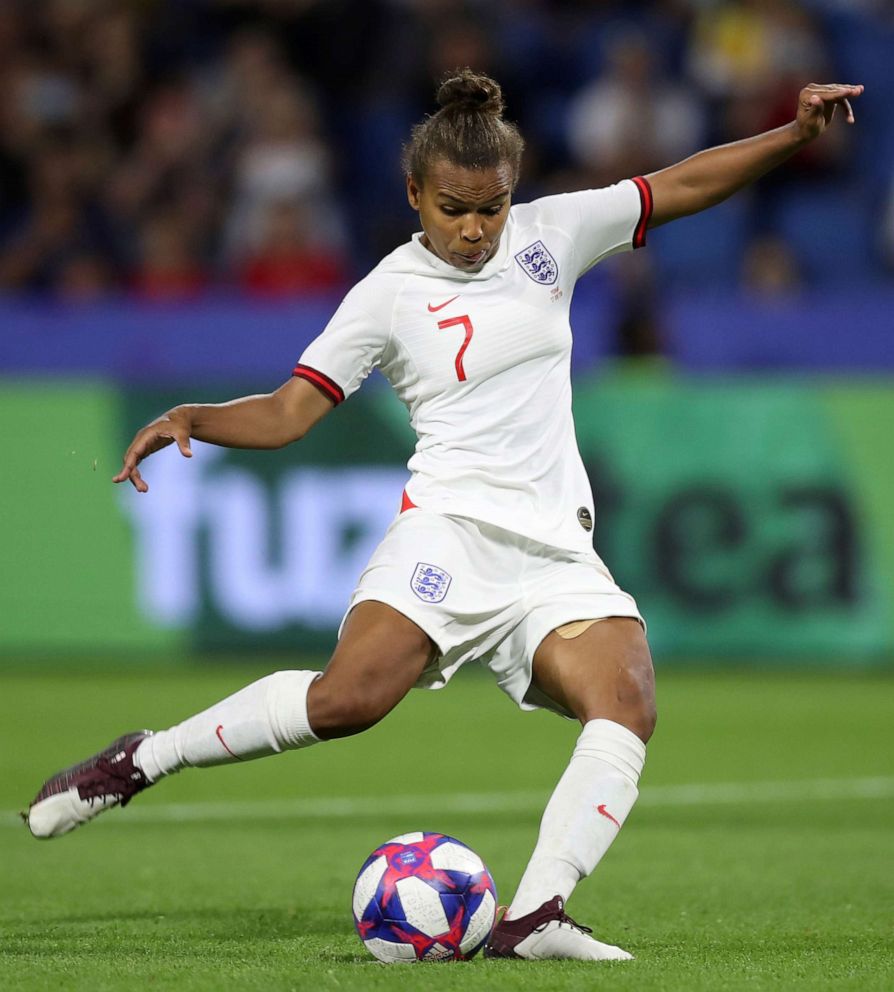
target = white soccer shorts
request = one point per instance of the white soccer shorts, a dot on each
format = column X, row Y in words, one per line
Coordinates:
column 485, row 594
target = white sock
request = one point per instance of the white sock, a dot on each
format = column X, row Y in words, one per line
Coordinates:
column 583, row 815
column 266, row 717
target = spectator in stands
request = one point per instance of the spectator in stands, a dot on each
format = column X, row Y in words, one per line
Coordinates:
column 282, row 157
column 112, row 65
column 83, row 278
column 738, row 44
column 288, row 261
column 246, row 108
column 172, row 144
column 235, row 89
column 630, row 120
column 169, row 266
column 770, row 268
column 747, row 53
column 56, row 223
column 639, row 333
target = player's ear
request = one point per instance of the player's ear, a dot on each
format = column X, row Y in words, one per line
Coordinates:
column 413, row 191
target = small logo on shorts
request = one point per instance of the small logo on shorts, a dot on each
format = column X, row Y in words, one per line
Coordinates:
column 430, row 583
column 585, row 519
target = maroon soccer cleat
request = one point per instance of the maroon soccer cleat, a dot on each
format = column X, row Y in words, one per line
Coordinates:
column 80, row 793
column 549, row 933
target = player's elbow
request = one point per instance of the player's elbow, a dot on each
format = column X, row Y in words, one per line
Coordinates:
column 297, row 407
column 289, row 434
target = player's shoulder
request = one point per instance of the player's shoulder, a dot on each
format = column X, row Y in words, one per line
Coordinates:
column 525, row 214
column 375, row 292
column 564, row 210
column 541, row 216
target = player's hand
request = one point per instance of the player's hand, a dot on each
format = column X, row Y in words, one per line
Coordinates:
column 168, row 429
column 817, row 103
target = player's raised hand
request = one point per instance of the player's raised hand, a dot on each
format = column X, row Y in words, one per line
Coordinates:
column 817, row 103
column 167, row 429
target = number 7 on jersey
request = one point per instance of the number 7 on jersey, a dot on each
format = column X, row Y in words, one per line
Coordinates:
column 465, row 322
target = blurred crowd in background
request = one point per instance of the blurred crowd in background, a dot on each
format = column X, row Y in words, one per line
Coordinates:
column 166, row 149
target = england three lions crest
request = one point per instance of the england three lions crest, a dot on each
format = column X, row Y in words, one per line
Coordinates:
column 430, row 583
column 538, row 263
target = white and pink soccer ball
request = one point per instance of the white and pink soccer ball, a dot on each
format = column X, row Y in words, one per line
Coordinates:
column 424, row 897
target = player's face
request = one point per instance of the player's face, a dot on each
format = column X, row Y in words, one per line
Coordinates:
column 463, row 211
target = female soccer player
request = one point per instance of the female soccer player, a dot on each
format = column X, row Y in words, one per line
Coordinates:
column 491, row 555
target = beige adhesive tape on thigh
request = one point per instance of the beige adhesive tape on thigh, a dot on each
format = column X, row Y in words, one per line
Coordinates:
column 574, row 629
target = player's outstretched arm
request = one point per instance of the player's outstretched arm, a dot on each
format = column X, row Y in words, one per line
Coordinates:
column 711, row 176
column 270, row 420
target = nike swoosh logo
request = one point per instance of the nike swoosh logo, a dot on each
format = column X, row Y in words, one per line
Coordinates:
column 441, row 306
column 219, row 733
column 602, row 811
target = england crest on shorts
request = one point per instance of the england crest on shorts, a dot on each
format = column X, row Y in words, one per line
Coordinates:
column 430, row 583
column 538, row 263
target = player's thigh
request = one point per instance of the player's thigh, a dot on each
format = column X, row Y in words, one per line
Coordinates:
column 378, row 659
column 604, row 673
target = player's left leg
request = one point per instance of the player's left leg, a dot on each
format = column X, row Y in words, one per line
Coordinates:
column 604, row 677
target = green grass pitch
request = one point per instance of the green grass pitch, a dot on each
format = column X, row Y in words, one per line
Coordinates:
column 760, row 855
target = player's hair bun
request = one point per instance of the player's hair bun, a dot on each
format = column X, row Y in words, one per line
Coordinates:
column 467, row 91
column 468, row 130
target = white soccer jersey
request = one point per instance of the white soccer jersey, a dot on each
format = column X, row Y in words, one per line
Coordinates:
column 482, row 361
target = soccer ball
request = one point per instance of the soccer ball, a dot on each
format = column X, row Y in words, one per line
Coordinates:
column 424, row 897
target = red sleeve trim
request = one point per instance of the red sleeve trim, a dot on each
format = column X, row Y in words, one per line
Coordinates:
column 645, row 215
column 327, row 386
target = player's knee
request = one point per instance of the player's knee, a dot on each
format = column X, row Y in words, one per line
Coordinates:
column 635, row 693
column 644, row 717
column 335, row 711
column 627, row 695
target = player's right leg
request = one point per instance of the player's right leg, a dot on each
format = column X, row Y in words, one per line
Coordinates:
column 603, row 675
column 378, row 659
